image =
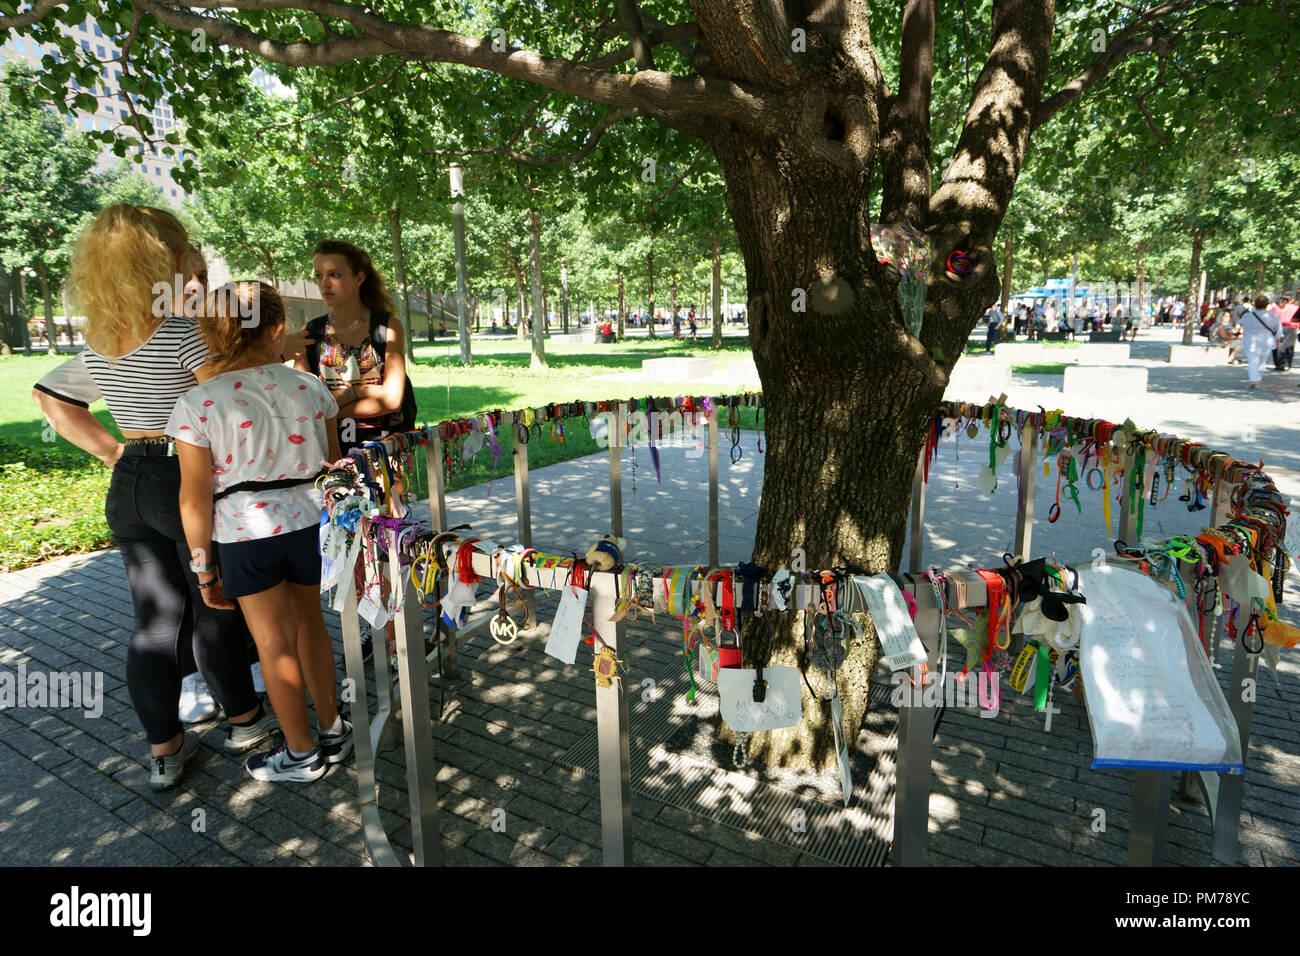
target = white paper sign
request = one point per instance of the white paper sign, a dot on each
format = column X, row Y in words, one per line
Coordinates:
column 1241, row 582
column 566, row 629
column 782, row 706
column 841, row 751
column 899, row 643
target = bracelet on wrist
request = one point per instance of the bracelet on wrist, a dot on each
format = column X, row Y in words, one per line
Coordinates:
column 204, row 585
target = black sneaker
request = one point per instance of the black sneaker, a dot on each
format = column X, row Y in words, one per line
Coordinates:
column 336, row 747
column 279, row 765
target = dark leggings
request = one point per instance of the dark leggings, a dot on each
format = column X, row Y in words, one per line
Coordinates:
column 174, row 629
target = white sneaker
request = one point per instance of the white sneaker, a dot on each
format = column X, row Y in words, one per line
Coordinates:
column 259, row 685
column 196, row 700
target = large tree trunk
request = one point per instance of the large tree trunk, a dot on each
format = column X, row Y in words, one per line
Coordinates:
column 1190, row 318
column 539, row 313
column 399, row 279
column 428, row 310
column 716, row 298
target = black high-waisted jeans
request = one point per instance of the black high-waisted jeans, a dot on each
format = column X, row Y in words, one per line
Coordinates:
column 174, row 629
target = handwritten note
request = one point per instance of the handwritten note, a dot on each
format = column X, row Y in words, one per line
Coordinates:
column 782, row 706
column 1152, row 697
column 566, row 630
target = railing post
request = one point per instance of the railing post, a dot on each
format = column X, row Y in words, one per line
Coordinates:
column 1227, row 817
column 713, row 488
column 1127, row 531
column 612, row 732
column 1028, row 485
column 616, row 470
column 523, row 509
column 917, row 527
column 417, row 728
column 1152, row 790
column 438, row 520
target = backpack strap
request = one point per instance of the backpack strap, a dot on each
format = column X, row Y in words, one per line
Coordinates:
column 379, row 333
column 315, row 329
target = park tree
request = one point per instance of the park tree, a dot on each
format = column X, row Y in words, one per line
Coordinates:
column 822, row 118
column 47, row 184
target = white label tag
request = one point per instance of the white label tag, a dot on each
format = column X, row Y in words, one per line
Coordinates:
column 841, row 750
column 1241, row 582
column 332, row 544
column 372, row 612
column 899, row 642
column 397, row 597
column 566, row 629
column 782, row 705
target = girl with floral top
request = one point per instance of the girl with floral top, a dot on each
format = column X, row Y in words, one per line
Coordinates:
column 251, row 441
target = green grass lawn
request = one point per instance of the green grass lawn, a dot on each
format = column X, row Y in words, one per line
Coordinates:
column 52, row 493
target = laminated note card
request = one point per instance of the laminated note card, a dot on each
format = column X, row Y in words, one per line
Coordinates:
column 900, row 645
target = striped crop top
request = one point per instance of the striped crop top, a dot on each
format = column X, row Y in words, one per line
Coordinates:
column 141, row 387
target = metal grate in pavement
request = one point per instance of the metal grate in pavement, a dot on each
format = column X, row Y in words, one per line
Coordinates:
column 857, row 835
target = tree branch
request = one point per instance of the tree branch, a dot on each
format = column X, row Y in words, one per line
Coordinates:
column 629, row 18
column 905, row 145
column 1124, row 46
column 599, row 130
column 675, row 34
column 337, row 103
column 671, row 98
column 37, row 12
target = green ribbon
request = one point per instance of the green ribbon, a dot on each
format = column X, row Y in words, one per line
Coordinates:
column 1043, row 677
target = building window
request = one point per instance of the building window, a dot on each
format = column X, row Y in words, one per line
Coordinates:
column 99, row 50
column 85, row 46
column 20, row 45
column 98, row 31
column 103, row 125
column 124, row 114
column 88, row 123
column 173, row 192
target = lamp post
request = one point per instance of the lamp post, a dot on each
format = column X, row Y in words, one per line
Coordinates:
column 458, row 232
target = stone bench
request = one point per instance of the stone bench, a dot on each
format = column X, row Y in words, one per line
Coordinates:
column 1112, row 335
column 1020, row 353
column 1104, row 380
column 1197, row 355
column 677, row 369
column 573, row 338
column 1099, row 354
column 975, row 380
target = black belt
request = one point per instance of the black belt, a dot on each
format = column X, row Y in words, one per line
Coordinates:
column 266, row 485
column 149, row 446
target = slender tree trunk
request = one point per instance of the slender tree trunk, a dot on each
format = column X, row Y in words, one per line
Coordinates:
column 672, row 298
column 650, row 286
column 519, row 298
column 715, row 304
column 539, row 314
column 428, row 308
column 20, row 309
column 622, row 312
column 1006, row 272
column 1191, row 318
column 48, row 303
column 1141, row 264
column 399, row 279
column 1259, row 280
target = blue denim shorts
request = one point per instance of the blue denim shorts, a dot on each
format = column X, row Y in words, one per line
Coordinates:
column 251, row 567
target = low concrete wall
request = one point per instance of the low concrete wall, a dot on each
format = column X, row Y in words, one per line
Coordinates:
column 1107, row 380
column 1099, row 354
column 1019, row 352
column 677, row 369
column 974, row 380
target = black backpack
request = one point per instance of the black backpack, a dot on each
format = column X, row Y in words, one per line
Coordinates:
column 403, row 420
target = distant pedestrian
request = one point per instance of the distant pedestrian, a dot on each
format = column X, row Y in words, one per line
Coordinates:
column 1261, row 333
column 994, row 319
